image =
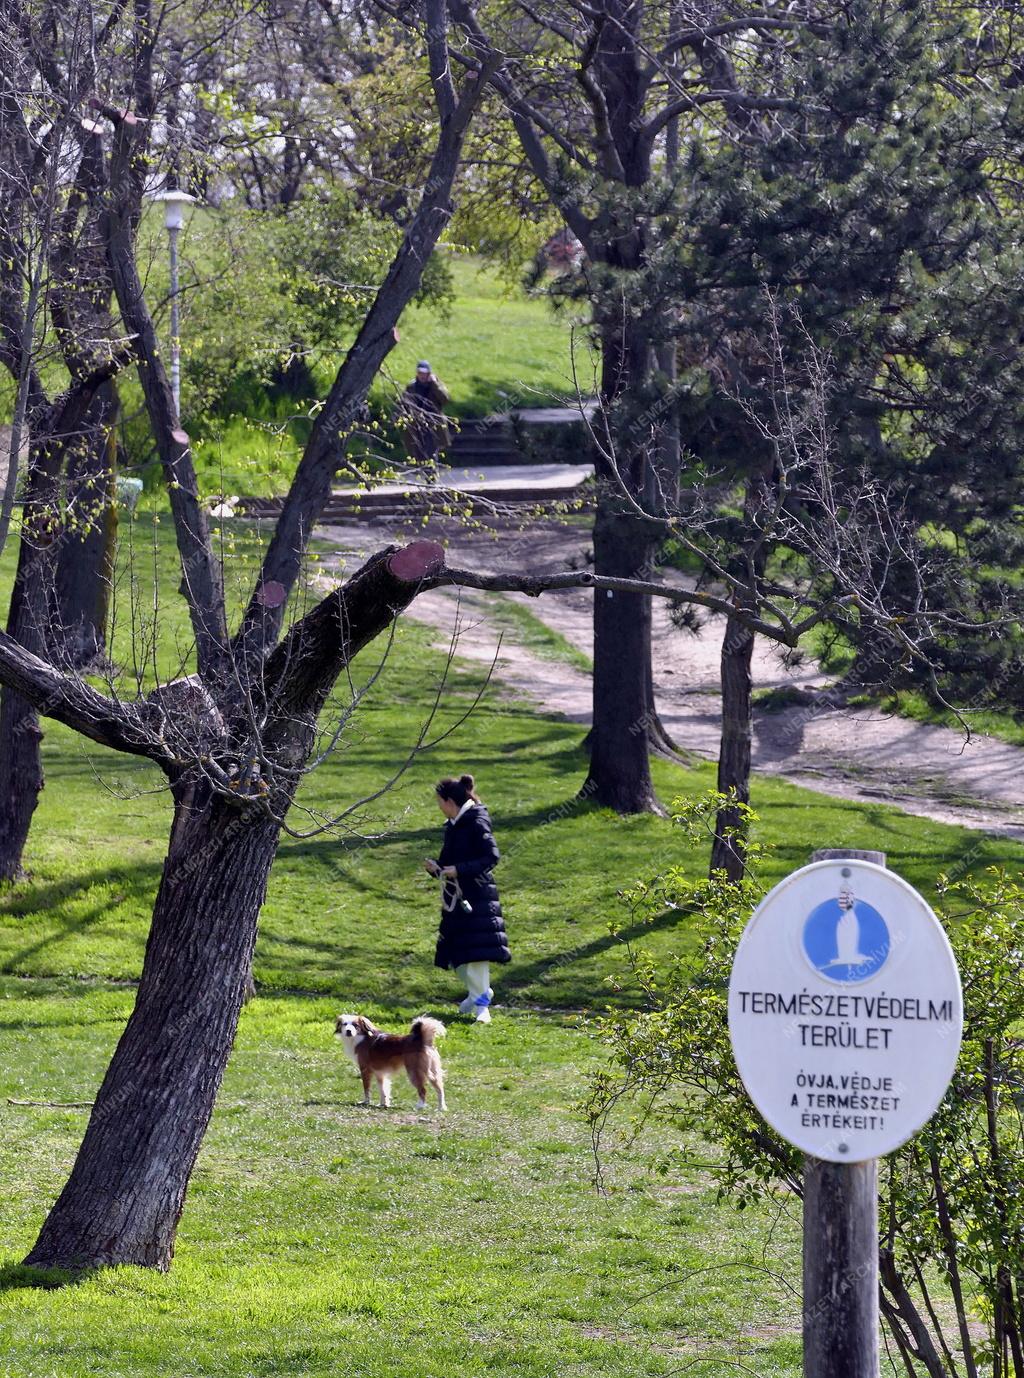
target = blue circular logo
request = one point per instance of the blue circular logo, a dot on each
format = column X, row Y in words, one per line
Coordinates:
column 846, row 940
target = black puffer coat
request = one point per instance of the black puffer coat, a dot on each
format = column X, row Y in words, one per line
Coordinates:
column 479, row 935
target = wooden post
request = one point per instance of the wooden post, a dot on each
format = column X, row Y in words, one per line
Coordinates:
column 840, row 1316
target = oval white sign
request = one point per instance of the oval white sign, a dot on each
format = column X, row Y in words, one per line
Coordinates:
column 845, row 1010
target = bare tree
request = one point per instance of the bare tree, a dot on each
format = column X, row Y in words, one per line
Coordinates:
column 595, row 93
column 235, row 738
column 55, row 319
column 232, row 739
column 59, row 71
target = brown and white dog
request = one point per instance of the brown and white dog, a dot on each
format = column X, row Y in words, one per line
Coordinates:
column 381, row 1055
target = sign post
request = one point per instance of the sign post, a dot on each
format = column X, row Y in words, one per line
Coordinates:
column 845, row 1015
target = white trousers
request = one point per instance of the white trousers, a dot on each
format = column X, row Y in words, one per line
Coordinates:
column 477, row 979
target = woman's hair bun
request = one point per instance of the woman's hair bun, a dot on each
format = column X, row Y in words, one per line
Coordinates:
column 457, row 790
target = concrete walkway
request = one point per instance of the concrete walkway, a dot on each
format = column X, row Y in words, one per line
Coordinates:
column 556, row 416
column 503, row 477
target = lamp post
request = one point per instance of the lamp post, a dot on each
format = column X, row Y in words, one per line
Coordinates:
column 175, row 202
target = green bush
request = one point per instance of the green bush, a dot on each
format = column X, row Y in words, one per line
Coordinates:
column 951, row 1249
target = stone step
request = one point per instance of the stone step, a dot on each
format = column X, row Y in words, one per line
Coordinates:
column 539, row 435
column 487, row 459
column 484, row 443
column 487, row 444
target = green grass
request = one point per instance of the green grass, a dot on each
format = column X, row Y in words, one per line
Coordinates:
column 499, row 348
column 241, row 458
column 519, row 623
column 1007, row 726
column 496, row 349
column 320, row 1238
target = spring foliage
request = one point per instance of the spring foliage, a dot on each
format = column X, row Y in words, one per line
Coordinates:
column 951, row 1245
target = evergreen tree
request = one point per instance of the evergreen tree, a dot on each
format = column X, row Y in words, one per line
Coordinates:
column 836, row 259
column 879, row 229
column 810, row 184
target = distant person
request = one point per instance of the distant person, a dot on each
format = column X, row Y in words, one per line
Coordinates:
column 472, row 933
column 423, row 403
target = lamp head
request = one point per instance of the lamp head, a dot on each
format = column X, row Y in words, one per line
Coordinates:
column 174, row 202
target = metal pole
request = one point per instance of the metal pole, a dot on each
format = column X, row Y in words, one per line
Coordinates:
column 840, row 1318
column 172, row 234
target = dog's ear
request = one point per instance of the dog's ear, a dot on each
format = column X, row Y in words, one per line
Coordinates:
column 338, row 1023
column 365, row 1025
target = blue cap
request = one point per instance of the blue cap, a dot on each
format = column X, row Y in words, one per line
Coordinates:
column 423, row 364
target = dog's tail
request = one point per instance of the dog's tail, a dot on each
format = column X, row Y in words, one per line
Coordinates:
column 428, row 1029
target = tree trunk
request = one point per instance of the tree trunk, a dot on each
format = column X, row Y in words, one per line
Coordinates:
column 21, row 779
column 728, row 852
column 86, row 564
column 21, row 767
column 728, row 849
column 125, row 1194
column 620, row 770
column 21, row 764
column 57, row 573
column 624, row 544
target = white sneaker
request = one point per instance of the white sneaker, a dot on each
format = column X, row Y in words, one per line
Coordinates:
column 469, row 1004
column 483, row 1015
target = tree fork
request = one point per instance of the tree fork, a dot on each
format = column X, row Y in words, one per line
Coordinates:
column 125, row 1195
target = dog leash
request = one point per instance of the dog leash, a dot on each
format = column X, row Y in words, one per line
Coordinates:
column 457, row 897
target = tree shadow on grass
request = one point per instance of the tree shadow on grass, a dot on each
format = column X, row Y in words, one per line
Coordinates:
column 69, row 929
column 344, row 860
column 512, row 827
column 30, row 896
column 139, row 884
column 74, row 1020
column 918, row 856
column 524, row 977
column 15, row 1276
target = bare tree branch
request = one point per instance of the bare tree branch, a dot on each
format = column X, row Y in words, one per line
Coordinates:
column 71, row 701
column 311, row 485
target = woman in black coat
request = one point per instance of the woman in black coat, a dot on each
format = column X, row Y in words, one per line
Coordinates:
column 472, row 933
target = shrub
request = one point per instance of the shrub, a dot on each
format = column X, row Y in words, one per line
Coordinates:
column 951, row 1245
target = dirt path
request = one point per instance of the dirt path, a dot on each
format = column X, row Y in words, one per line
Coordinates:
column 849, row 753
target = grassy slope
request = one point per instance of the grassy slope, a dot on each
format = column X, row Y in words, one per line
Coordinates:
column 319, row 1238
column 498, row 348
